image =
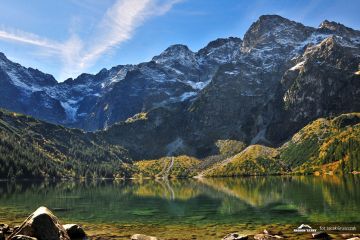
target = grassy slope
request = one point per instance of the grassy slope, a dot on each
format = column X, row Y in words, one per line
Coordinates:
column 183, row 167
column 325, row 145
column 254, row 160
column 322, row 146
column 31, row 148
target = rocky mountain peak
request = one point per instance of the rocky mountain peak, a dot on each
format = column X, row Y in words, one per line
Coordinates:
column 25, row 78
column 177, row 52
column 221, row 50
column 42, row 79
column 2, row 56
column 220, row 42
column 334, row 26
column 178, row 48
column 269, row 29
column 6, row 61
column 338, row 29
column 271, row 18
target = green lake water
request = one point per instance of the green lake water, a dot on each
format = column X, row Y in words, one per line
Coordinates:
column 250, row 201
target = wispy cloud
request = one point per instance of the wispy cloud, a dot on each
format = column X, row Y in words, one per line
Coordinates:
column 27, row 38
column 117, row 25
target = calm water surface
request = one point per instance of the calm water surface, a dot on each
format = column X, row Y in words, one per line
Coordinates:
column 253, row 200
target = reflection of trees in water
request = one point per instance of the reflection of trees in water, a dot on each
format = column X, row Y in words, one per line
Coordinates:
column 175, row 189
column 255, row 191
column 218, row 200
column 318, row 198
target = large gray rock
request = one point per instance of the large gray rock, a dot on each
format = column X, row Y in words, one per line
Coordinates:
column 43, row 225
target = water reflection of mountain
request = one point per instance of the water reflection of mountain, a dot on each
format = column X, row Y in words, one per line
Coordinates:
column 172, row 190
column 223, row 200
column 318, row 198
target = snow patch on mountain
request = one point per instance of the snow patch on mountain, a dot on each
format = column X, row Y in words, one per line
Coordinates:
column 187, row 95
column 17, row 81
column 117, row 75
column 198, row 85
column 234, row 72
column 300, row 65
column 71, row 108
column 315, row 38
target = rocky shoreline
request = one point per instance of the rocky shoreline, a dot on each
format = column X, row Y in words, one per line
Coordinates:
column 44, row 225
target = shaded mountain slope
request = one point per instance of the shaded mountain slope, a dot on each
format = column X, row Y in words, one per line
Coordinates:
column 285, row 76
column 33, row 149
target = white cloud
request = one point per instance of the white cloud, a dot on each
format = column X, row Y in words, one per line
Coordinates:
column 27, row 38
column 116, row 26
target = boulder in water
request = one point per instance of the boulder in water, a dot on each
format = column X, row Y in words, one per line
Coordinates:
column 43, row 225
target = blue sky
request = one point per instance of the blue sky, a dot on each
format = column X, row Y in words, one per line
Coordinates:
column 68, row 37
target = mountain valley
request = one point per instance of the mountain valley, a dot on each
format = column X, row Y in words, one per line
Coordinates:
column 258, row 94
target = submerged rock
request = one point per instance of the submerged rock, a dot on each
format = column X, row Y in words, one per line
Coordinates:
column 3, row 226
column 43, row 225
column 142, row 237
column 351, row 236
column 272, row 232
column 235, row 236
column 74, row 231
column 320, row 235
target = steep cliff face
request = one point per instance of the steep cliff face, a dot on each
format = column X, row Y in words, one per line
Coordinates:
column 324, row 81
column 22, row 90
column 93, row 102
column 283, row 76
column 176, row 75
